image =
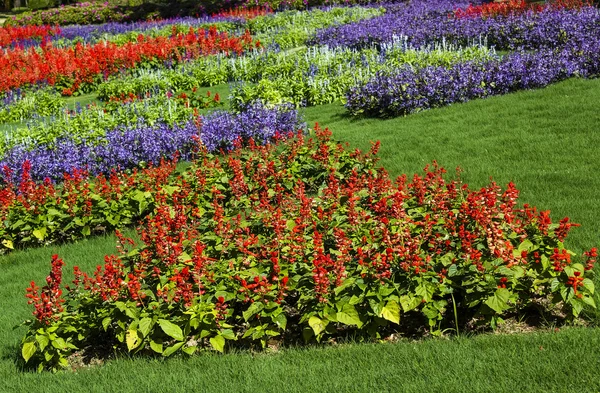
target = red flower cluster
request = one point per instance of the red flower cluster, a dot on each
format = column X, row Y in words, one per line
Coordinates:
column 10, row 34
column 80, row 207
column 514, row 7
column 494, row 9
column 243, row 12
column 88, row 64
column 48, row 303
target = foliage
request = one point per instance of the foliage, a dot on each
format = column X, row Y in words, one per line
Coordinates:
column 307, row 240
column 290, row 29
column 308, row 76
column 93, row 122
column 17, row 105
column 191, row 99
column 76, row 14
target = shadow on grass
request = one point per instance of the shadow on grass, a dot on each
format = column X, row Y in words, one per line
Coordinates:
column 12, row 353
column 413, row 327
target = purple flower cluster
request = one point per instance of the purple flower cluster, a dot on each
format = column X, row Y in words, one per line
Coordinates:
column 409, row 90
column 221, row 128
column 128, row 147
column 10, row 97
column 424, row 24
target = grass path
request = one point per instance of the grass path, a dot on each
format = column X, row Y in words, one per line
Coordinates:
column 542, row 362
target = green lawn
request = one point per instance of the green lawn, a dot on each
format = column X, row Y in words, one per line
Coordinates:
column 547, row 141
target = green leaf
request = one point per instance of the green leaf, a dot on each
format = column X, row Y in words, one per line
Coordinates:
column 426, row 291
column 132, row 339
column 577, row 305
column 589, row 285
column 171, row 330
column 145, row 325
column 519, row 272
column 349, row 316
column 218, row 343
column 190, row 350
column 106, row 322
column 391, row 312
column 317, row 324
column 42, row 341
column 290, row 224
column 254, row 309
column 228, row 334
column 172, row 349
column 409, row 302
column 8, row 244
column 156, row 347
column 376, row 306
column 184, row 257
column 589, row 301
column 40, row 233
column 28, row 350
column 526, row 245
column 59, row 343
column 280, row 320
column 345, row 284
column 499, row 301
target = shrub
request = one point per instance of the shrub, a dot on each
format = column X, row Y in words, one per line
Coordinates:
column 308, row 240
column 76, row 14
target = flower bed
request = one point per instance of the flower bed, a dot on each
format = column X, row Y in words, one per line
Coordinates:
column 83, row 65
column 409, row 90
column 514, row 7
column 11, row 35
column 322, row 76
column 421, row 25
column 307, row 240
column 128, row 146
column 93, row 13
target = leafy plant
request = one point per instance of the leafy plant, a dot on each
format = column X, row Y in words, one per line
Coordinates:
column 306, row 239
column 21, row 106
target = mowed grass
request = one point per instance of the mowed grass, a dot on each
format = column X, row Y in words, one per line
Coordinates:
column 546, row 141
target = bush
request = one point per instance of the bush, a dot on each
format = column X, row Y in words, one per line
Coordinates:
column 307, row 240
column 37, row 4
column 77, row 14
